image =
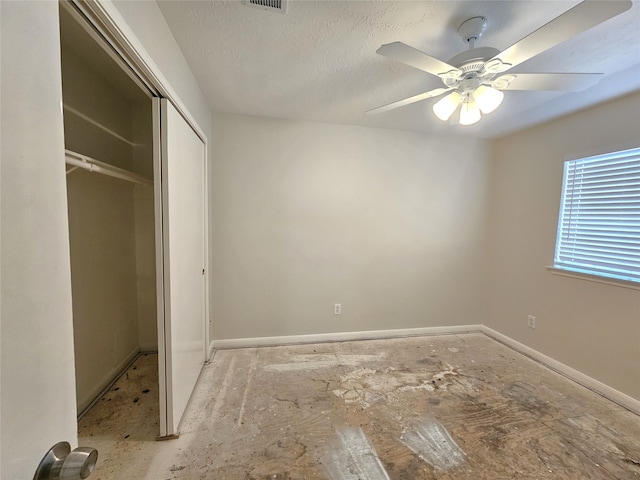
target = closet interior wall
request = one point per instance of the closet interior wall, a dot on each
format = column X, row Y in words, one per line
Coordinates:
column 111, row 221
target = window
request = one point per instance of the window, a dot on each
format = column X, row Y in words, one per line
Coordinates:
column 599, row 223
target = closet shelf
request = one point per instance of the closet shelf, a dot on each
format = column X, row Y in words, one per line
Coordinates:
column 82, row 161
column 95, row 123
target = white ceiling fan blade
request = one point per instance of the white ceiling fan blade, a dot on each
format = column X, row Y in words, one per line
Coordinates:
column 407, row 101
column 570, row 82
column 408, row 55
column 579, row 19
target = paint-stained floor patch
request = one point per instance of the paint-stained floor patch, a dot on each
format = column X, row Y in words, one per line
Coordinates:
column 353, row 457
column 431, row 441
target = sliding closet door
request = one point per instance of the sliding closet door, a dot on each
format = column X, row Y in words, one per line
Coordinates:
column 182, row 330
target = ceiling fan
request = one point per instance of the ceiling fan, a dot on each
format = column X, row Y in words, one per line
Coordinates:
column 476, row 78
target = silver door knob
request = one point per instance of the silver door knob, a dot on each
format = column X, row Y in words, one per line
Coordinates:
column 60, row 463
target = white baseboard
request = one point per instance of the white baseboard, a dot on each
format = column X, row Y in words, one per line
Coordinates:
column 341, row 336
column 600, row 388
column 210, row 352
column 101, row 387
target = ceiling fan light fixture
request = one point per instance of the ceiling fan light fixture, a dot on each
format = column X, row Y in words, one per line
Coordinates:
column 470, row 112
column 445, row 107
column 488, row 98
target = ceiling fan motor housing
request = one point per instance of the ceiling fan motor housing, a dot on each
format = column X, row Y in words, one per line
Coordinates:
column 470, row 61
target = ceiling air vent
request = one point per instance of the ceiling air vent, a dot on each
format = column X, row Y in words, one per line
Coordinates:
column 269, row 5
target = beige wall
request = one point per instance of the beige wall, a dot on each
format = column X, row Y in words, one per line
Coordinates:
column 592, row 327
column 390, row 224
column 103, row 274
column 38, row 388
column 144, row 216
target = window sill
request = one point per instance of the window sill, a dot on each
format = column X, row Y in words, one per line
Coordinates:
column 595, row 278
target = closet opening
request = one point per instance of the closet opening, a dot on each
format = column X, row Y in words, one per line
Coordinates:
column 109, row 137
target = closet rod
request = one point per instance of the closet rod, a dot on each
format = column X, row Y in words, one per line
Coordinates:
column 88, row 163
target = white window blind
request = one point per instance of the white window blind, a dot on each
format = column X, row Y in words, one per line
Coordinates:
column 599, row 224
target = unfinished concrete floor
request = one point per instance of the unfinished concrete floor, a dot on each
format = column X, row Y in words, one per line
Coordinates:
column 445, row 407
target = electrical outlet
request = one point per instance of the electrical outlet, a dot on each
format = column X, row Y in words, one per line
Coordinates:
column 337, row 308
column 531, row 321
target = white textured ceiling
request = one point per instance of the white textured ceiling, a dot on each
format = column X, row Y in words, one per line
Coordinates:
column 318, row 61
